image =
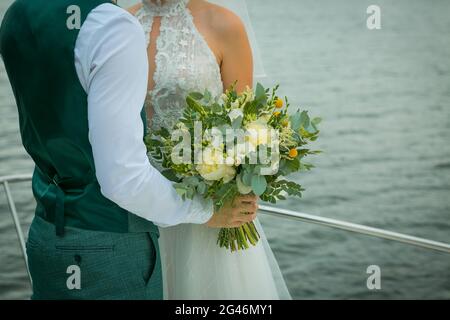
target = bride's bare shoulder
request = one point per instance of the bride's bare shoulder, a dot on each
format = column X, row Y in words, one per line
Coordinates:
column 134, row 9
column 221, row 20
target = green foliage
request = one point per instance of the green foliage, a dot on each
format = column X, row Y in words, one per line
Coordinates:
column 195, row 105
column 296, row 131
column 259, row 184
column 274, row 190
column 288, row 166
column 225, row 194
column 170, row 174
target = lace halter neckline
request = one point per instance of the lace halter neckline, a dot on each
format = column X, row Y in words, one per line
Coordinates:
column 184, row 62
column 164, row 7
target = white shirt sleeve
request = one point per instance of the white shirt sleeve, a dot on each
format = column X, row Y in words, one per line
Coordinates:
column 111, row 62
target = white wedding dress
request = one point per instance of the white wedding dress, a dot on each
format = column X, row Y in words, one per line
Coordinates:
column 194, row 267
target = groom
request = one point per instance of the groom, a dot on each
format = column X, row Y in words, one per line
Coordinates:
column 80, row 87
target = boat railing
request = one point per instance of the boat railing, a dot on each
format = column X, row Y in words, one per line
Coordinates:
column 269, row 210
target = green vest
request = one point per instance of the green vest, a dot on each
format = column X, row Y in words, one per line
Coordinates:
column 38, row 51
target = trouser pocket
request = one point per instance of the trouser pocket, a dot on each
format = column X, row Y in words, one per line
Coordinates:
column 72, row 272
column 93, row 265
column 149, row 262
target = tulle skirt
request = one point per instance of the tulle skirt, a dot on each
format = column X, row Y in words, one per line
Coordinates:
column 194, row 267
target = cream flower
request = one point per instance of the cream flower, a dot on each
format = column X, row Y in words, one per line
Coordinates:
column 258, row 133
column 213, row 166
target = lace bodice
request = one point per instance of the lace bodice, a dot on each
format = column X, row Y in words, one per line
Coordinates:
column 184, row 61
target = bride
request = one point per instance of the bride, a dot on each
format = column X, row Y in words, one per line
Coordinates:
column 194, row 45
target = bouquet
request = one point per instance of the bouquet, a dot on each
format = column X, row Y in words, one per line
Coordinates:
column 235, row 144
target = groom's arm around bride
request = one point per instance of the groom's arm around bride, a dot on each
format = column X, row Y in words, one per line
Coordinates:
column 80, row 94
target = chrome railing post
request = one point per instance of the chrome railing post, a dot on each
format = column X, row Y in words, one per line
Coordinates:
column 12, row 207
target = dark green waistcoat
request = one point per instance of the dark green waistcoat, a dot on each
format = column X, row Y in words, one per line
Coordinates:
column 38, row 51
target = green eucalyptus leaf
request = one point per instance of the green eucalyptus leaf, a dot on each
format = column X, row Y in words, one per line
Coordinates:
column 296, row 121
column 304, row 119
column 260, row 92
column 202, row 188
column 191, row 181
column 247, row 178
column 190, row 193
column 237, row 123
column 259, row 184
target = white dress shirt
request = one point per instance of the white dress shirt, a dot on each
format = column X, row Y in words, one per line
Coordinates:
column 111, row 63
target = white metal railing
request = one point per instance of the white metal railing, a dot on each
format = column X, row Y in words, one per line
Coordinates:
column 12, row 208
column 358, row 228
column 277, row 212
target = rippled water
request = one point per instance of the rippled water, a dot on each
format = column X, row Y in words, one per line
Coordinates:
column 385, row 99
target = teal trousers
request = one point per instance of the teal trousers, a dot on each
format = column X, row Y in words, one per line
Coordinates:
column 93, row 265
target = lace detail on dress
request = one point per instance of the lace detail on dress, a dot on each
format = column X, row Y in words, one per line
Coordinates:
column 184, row 61
column 165, row 7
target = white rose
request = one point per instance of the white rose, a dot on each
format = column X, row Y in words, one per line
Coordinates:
column 213, row 167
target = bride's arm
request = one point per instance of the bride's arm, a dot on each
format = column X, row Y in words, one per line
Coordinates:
column 235, row 50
